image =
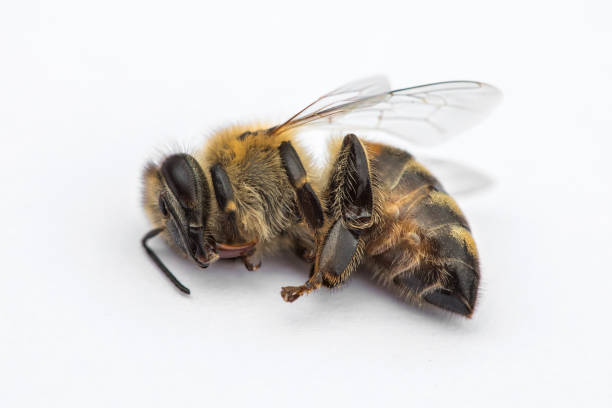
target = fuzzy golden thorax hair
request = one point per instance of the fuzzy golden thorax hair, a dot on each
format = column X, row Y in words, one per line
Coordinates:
column 263, row 197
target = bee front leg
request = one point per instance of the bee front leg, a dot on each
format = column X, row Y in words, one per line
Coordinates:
column 340, row 243
column 252, row 260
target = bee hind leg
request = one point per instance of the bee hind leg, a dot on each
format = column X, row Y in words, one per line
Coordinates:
column 339, row 243
column 338, row 256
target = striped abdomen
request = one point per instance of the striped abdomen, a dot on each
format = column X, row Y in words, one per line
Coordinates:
column 422, row 249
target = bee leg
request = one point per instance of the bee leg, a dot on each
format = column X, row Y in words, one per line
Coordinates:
column 306, row 197
column 340, row 243
column 302, row 243
column 224, row 193
column 252, row 261
column 291, row 293
column 338, row 255
column 350, row 194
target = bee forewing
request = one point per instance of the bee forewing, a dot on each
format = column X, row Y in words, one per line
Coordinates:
column 456, row 178
column 424, row 115
column 361, row 93
column 361, row 88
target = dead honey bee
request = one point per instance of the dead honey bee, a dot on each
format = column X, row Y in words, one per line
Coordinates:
column 252, row 190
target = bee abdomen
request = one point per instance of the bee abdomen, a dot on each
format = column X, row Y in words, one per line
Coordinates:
column 454, row 251
column 423, row 250
column 436, row 209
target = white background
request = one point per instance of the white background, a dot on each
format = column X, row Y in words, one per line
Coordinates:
column 89, row 91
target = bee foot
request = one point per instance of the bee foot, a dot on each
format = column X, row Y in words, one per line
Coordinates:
column 252, row 261
column 308, row 255
column 250, row 267
column 291, row 293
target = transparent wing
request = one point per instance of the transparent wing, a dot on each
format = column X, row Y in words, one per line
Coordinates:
column 349, row 97
column 426, row 114
column 457, row 179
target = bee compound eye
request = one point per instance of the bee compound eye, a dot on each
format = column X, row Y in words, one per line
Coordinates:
column 162, row 206
column 179, row 171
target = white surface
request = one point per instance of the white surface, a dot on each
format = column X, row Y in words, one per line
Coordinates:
column 89, row 92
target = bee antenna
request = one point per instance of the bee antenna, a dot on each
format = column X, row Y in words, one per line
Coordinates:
column 159, row 263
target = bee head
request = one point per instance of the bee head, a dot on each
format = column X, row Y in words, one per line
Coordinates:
column 177, row 200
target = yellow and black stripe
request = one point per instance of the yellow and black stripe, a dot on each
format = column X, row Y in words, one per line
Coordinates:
column 429, row 253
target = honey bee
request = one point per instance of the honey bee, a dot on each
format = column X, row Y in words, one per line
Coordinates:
column 252, row 190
